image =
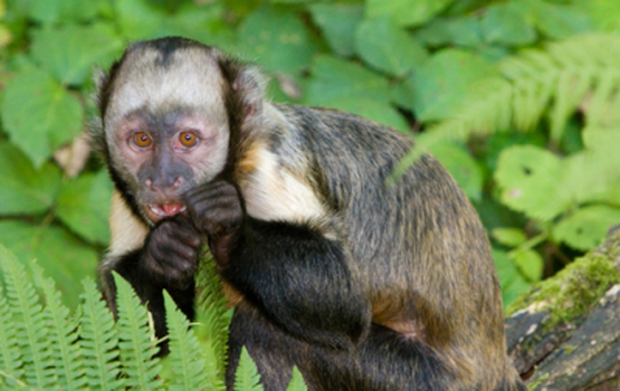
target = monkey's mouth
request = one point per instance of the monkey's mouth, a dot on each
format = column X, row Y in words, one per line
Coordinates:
column 158, row 211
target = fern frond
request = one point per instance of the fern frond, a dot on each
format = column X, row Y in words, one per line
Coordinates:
column 62, row 333
column 10, row 357
column 30, row 327
column 297, row 382
column 215, row 315
column 98, row 340
column 247, row 377
column 137, row 349
column 578, row 73
column 190, row 371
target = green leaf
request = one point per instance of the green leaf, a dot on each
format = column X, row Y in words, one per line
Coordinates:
column 406, row 12
column 347, row 86
column 510, row 237
column 377, row 111
column 556, row 21
column 506, row 268
column 462, row 166
column 52, row 11
column 334, row 80
column 517, row 288
column 62, row 332
column 440, row 86
column 187, row 361
column 297, row 381
column 505, row 24
column 585, row 228
column 530, row 264
column 604, row 14
column 10, row 355
column 84, row 205
column 98, row 340
column 530, row 181
column 31, row 330
column 39, row 114
column 387, row 47
column 137, row 339
column 278, row 39
column 464, row 31
column 215, row 316
column 62, row 256
column 24, row 190
column 69, row 52
column 338, row 23
column 247, row 377
column 134, row 27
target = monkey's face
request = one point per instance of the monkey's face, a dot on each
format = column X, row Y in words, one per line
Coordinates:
column 166, row 127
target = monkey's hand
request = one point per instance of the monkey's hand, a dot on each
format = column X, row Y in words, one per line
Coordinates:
column 215, row 208
column 170, row 255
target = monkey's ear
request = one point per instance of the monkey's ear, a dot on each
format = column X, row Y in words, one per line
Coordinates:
column 249, row 84
column 100, row 78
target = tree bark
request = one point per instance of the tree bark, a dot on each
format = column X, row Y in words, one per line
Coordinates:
column 582, row 353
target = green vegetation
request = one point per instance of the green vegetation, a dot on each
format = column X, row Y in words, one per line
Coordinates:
column 519, row 99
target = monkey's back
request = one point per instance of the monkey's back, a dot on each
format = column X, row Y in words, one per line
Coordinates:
column 419, row 243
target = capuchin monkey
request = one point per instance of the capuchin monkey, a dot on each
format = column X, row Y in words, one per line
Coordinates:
column 361, row 284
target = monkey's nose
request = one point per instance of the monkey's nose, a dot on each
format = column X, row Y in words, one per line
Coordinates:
column 149, row 184
column 178, row 181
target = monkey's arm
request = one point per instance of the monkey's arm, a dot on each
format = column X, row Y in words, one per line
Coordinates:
column 167, row 260
column 301, row 280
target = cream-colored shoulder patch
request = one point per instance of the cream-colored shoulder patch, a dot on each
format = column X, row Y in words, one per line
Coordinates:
column 127, row 232
column 272, row 193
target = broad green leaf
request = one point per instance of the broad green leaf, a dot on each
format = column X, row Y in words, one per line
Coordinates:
column 506, row 268
column 530, row 264
column 603, row 13
column 63, row 257
column 69, row 52
column 406, row 12
column 338, row 23
column 530, row 180
column 377, row 111
column 440, row 86
column 298, row 1
column 510, row 237
column 464, row 31
column 246, row 376
column 297, row 382
column 517, row 287
column 462, row 166
column 334, row 80
column 53, row 11
column 84, row 205
column 388, row 47
column 347, row 86
column 556, row 21
column 507, row 25
column 203, row 22
column 138, row 19
column 39, row 114
column 24, row 190
column 511, row 281
column 278, row 40
column 584, row 229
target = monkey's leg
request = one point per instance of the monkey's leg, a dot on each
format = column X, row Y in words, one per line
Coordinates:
column 385, row 361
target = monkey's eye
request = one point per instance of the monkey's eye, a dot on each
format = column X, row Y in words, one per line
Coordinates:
column 188, row 139
column 142, row 140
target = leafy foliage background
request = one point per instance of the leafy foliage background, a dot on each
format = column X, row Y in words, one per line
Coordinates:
column 518, row 99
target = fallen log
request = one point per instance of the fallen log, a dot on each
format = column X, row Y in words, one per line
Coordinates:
column 565, row 333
